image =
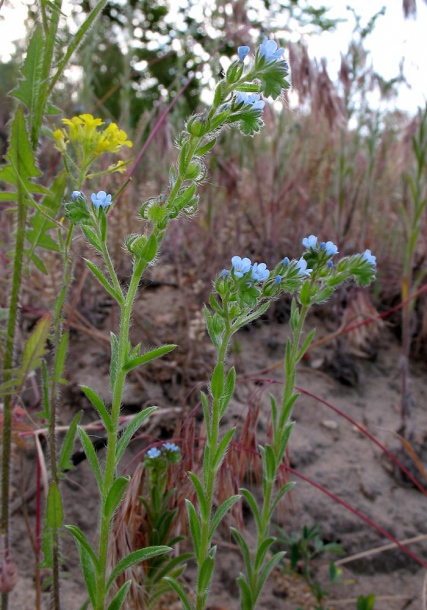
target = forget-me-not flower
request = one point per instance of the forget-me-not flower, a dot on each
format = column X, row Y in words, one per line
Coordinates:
column 330, row 247
column 260, row 272
column 269, row 50
column 302, row 267
column 277, row 279
column 309, row 242
column 369, row 258
column 170, row 447
column 101, row 199
column 250, row 99
column 153, row 453
column 241, row 265
column 242, row 52
column 77, row 195
column 286, row 261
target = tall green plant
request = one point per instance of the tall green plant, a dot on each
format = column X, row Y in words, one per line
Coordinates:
column 41, row 71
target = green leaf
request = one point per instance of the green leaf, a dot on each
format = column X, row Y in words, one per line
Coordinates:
column 130, row 431
column 203, row 507
column 35, row 347
column 250, row 121
column 222, row 448
column 283, row 490
column 180, row 592
column 219, row 119
column 268, row 568
column 29, row 86
column 194, row 523
column 92, row 237
column 119, row 598
column 203, row 150
column 136, row 557
column 245, row 550
column 154, row 353
column 228, row 391
column 245, row 593
column 115, row 496
column 88, row 560
column 99, row 406
column 206, row 573
column 64, row 463
column 217, row 382
column 79, row 536
column 91, row 456
column 220, row 513
column 89, row 573
column 54, row 511
column 252, row 503
column 22, row 166
column 103, row 280
column 273, row 80
column 262, row 552
column 75, row 42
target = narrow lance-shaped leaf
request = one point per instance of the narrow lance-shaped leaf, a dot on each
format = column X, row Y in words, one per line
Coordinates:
column 151, row 355
column 136, row 557
column 130, row 431
column 64, row 463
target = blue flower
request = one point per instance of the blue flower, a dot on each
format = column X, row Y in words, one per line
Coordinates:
column 309, row 242
column 269, row 50
column 369, row 258
column 286, row 261
column 330, row 264
column 101, row 199
column 260, row 272
column 241, row 265
column 170, row 447
column 77, row 195
column 331, row 248
column 277, row 279
column 225, row 273
column 302, row 267
column 153, row 453
column 250, row 99
column 242, row 52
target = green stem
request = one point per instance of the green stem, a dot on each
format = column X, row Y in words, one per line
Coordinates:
column 284, row 417
column 7, row 376
column 110, row 465
column 210, row 477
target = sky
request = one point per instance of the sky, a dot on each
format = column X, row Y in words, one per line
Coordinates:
column 393, row 38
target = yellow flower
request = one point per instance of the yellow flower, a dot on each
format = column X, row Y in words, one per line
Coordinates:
column 112, row 140
column 61, row 144
column 74, row 127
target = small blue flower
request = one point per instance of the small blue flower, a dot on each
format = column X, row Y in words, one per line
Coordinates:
column 277, row 279
column 260, row 272
column 250, row 99
column 269, row 50
column 309, row 242
column 302, row 267
column 331, row 248
column 242, row 52
column 286, row 261
column 170, row 447
column 369, row 258
column 153, row 453
column 330, row 264
column 225, row 273
column 101, row 199
column 77, row 195
column 241, row 265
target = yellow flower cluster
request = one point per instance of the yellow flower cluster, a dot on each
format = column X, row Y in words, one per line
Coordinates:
column 83, row 130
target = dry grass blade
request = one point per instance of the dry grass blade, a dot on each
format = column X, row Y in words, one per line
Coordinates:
column 379, row 549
